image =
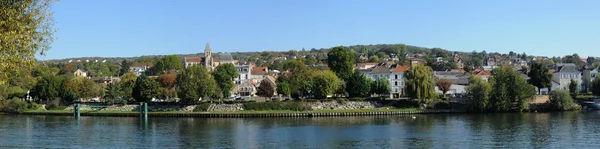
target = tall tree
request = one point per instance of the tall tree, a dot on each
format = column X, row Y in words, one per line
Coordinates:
column 444, row 85
column 127, row 83
column 539, row 76
column 596, row 86
column 224, row 75
column 358, row 85
column 124, row 67
column 145, row 89
column 112, row 92
column 167, row 82
column 283, row 85
column 574, row 88
column 47, row 88
column 340, row 61
column 380, row 87
column 265, row 89
column 508, row 88
column 324, row 83
column 167, row 63
column 419, row 83
column 194, row 83
column 478, row 94
column 26, row 30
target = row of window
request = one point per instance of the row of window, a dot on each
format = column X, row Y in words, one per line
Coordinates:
column 569, row 76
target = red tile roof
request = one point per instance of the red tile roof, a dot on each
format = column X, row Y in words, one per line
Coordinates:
column 259, row 70
column 400, row 68
column 193, row 59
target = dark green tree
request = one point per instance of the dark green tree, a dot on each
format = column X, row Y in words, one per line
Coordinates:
column 596, row 86
column 224, row 75
column 283, row 85
column 358, row 85
column 112, row 92
column 194, row 83
column 145, row 89
column 561, row 100
column 167, row 63
column 47, row 88
column 574, row 88
column 380, row 87
column 478, row 94
column 124, row 67
column 539, row 76
column 340, row 61
column 509, row 88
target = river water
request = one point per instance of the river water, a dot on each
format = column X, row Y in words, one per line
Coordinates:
column 507, row 130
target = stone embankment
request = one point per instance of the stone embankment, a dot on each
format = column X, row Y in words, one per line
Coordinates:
column 228, row 107
column 349, row 105
column 189, row 108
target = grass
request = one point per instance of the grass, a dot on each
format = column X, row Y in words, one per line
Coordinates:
column 236, row 112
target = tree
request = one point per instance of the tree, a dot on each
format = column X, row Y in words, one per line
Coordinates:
column 478, row 94
column 67, row 68
column 112, row 92
column 293, row 53
column 167, row 82
column 127, row 83
column 509, row 88
column 224, row 75
column 194, row 83
column 444, row 85
column 26, row 30
column 145, row 89
column 596, row 86
column 374, row 58
column 340, row 61
column 573, row 88
column 324, row 83
column 167, row 63
column 419, row 83
column 124, row 67
column 539, row 76
column 88, row 88
column 283, row 85
column 561, row 100
column 358, row 85
column 48, row 87
column 380, row 87
column 265, row 89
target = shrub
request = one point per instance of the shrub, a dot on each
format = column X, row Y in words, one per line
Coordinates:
column 440, row 104
column 406, row 104
column 263, row 106
column 14, row 105
column 561, row 100
column 202, row 107
column 357, row 99
column 33, row 106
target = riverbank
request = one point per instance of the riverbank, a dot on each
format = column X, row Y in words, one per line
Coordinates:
column 275, row 113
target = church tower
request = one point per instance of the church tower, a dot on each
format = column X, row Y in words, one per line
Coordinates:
column 208, row 61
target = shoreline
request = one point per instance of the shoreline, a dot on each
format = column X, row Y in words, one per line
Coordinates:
column 264, row 114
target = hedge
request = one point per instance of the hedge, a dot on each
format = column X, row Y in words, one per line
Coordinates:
column 263, row 106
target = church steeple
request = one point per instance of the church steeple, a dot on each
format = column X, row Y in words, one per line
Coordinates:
column 208, row 61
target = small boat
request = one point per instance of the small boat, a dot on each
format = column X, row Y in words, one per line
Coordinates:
column 593, row 104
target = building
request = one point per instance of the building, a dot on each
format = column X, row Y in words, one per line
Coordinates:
column 490, row 61
column 458, row 61
column 243, row 73
column 397, row 80
column 208, row 62
column 259, row 72
column 565, row 72
column 139, row 70
column 80, row 73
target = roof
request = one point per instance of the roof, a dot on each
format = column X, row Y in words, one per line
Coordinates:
column 259, row 71
column 194, row 59
column 568, row 67
column 484, row 73
column 447, row 73
column 380, row 70
column 225, row 57
column 400, row 68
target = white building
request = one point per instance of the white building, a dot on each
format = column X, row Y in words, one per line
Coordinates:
column 565, row 72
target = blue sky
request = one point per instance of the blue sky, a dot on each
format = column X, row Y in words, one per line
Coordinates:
column 123, row 28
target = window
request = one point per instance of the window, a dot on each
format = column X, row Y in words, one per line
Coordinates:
column 396, row 76
column 396, row 83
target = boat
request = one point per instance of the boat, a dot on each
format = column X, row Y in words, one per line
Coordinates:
column 594, row 104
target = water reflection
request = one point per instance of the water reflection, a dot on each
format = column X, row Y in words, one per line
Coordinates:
column 505, row 130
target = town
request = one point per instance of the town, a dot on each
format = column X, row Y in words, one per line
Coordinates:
column 359, row 72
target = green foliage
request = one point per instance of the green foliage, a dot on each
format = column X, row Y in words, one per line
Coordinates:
column 48, row 87
column 171, row 62
column 14, row 105
column 358, row 85
column 380, row 87
column 478, row 94
column 145, row 89
column 265, row 89
column 561, row 100
column 195, row 82
column 224, row 75
column 539, row 76
column 509, row 88
column 419, row 83
column 573, row 88
column 124, row 67
column 127, row 83
column 324, row 83
column 596, row 86
column 340, row 61
column 283, row 85
column 26, row 30
column 112, row 92
column 202, row 107
column 266, row 106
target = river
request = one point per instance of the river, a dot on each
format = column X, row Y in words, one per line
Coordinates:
column 506, row 130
